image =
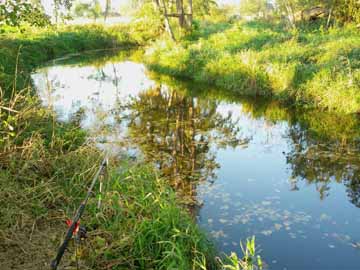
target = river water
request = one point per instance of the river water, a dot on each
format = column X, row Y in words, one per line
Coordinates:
column 246, row 166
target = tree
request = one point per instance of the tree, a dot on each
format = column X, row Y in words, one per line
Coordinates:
column 96, row 9
column 62, row 9
column 88, row 10
column 251, row 7
column 16, row 12
column 82, row 10
column 107, row 9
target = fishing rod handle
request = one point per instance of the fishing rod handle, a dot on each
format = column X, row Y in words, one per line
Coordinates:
column 54, row 263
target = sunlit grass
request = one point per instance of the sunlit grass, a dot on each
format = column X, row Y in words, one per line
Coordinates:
column 313, row 68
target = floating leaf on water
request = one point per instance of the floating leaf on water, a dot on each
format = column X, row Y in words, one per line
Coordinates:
column 218, row 234
column 324, row 217
column 287, row 223
column 277, row 226
column 223, row 221
column 266, row 232
column 355, row 245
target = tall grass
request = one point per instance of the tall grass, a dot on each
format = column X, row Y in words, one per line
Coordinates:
column 312, row 68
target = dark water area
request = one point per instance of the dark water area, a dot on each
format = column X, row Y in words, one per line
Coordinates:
column 246, row 166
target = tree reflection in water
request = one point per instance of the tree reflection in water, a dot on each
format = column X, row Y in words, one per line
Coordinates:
column 320, row 159
column 324, row 147
column 180, row 134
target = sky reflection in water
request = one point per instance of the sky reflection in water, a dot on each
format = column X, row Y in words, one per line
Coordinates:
column 248, row 167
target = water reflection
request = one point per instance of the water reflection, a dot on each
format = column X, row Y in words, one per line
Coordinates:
column 250, row 166
column 180, row 134
column 323, row 147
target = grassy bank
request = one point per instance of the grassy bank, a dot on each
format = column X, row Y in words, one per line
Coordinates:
column 311, row 68
column 22, row 51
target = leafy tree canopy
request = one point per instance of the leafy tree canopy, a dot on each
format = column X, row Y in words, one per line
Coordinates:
column 17, row 12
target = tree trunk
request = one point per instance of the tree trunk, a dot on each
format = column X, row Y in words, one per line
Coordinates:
column 330, row 14
column 107, row 9
column 167, row 23
column 190, row 16
column 157, row 4
column 291, row 15
column 180, row 12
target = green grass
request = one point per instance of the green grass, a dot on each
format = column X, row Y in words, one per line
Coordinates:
column 21, row 52
column 309, row 68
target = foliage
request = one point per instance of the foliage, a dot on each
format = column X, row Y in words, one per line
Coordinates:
column 253, row 7
column 348, row 11
column 17, row 12
column 62, row 9
column 250, row 261
column 88, row 10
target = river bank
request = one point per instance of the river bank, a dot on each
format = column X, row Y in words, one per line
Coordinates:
column 310, row 67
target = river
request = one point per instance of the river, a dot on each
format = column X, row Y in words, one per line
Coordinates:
column 244, row 166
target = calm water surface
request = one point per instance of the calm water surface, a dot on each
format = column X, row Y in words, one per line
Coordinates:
column 247, row 167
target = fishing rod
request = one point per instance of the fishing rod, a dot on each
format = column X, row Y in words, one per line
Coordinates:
column 75, row 221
